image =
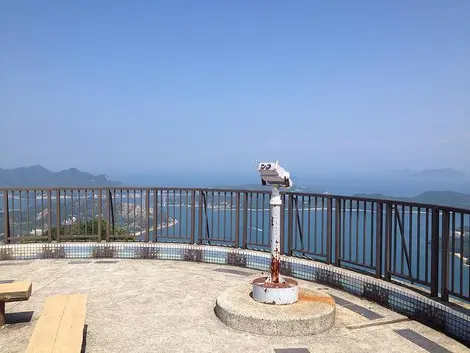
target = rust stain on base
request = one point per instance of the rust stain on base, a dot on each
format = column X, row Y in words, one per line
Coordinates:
column 275, row 269
column 311, row 297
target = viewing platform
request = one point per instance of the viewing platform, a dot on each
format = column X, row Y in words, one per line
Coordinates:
column 151, row 263
column 168, row 306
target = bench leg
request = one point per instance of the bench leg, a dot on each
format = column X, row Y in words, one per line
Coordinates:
column 2, row 313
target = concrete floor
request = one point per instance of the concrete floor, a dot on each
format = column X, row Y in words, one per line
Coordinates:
column 167, row 306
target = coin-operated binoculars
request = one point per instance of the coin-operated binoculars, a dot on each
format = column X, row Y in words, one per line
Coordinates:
column 273, row 174
column 275, row 289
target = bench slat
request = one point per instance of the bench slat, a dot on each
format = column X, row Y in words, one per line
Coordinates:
column 45, row 331
column 70, row 336
column 15, row 291
column 60, row 327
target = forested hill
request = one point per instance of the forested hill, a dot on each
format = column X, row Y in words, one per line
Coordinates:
column 38, row 176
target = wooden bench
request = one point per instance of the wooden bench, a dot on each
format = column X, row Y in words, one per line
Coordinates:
column 60, row 327
column 13, row 292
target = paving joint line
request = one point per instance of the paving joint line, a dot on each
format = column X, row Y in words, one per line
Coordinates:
column 380, row 323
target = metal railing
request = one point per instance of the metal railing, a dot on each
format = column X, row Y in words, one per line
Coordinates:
column 423, row 246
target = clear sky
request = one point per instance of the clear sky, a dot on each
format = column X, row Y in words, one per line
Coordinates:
column 142, row 86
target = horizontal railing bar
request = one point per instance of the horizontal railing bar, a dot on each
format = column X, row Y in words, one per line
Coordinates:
column 82, row 188
column 167, row 241
column 258, row 244
column 358, row 264
column 310, row 252
column 29, row 238
column 410, row 279
column 217, row 240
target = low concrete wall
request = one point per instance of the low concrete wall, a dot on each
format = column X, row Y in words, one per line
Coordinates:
column 404, row 301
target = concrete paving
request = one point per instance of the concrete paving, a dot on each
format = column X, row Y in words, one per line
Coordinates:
column 168, row 306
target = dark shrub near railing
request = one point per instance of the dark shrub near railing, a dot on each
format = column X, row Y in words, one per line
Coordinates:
column 85, row 231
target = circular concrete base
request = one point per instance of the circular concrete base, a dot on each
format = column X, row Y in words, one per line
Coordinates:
column 313, row 313
column 275, row 293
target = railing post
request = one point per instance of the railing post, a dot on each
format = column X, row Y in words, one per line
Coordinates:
column 147, row 211
column 337, row 258
column 290, row 224
column 378, row 240
column 388, row 240
column 282, row 225
column 445, row 255
column 100, row 209
column 79, row 221
column 237, row 219
column 201, row 211
column 57, row 223
column 193, row 217
column 329, row 229
column 49, row 215
column 245, row 221
column 435, row 252
column 155, row 215
column 108, row 213
column 6, row 218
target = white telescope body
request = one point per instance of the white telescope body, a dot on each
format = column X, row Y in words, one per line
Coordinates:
column 273, row 174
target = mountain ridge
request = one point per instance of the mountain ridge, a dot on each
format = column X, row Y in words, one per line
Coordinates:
column 38, row 176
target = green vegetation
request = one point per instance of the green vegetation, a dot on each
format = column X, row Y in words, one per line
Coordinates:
column 91, row 228
column 85, row 231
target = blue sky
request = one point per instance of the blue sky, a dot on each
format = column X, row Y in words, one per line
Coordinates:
column 146, row 86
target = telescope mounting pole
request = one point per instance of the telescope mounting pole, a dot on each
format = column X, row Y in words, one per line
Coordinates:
column 275, row 231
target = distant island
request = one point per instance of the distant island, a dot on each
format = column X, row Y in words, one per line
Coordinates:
column 443, row 173
column 444, row 198
column 38, row 176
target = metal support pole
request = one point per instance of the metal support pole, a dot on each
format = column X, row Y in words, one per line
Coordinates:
column 378, row 242
column 329, row 229
column 275, row 289
column 275, row 230
column 435, row 253
column 388, row 241
column 445, row 256
column 337, row 258
column 283, row 226
column 193, row 218
column 57, row 220
column 6, row 219
column 245, row 221
column 100, row 210
column 290, row 225
column 237, row 219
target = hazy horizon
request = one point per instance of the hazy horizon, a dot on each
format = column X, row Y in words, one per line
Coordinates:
column 247, row 170
column 389, row 183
